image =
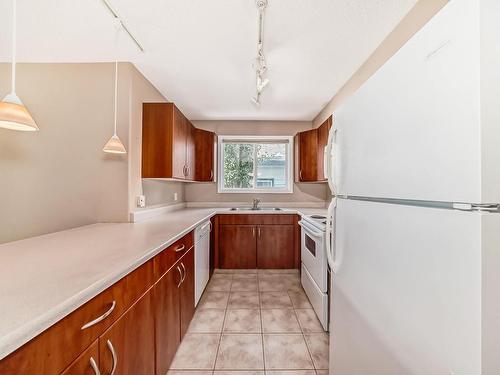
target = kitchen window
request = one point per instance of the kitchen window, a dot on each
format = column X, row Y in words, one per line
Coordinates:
column 255, row 164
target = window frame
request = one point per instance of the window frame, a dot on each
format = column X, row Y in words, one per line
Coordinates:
column 287, row 140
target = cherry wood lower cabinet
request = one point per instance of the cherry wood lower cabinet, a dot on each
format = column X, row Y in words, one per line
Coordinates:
column 167, row 319
column 186, row 297
column 257, row 241
column 128, row 346
column 275, row 246
column 52, row 351
column 134, row 325
column 174, row 309
column 237, row 246
column 87, row 363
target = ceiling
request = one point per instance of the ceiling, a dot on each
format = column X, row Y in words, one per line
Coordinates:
column 199, row 53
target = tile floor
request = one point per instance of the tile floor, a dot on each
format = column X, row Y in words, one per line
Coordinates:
column 253, row 322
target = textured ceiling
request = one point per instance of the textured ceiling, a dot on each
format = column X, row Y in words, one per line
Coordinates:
column 199, row 53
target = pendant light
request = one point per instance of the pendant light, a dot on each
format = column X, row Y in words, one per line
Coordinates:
column 13, row 114
column 115, row 145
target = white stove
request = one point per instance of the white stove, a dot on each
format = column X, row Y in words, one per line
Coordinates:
column 314, row 277
column 319, row 221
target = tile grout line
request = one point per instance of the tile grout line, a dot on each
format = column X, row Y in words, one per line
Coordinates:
column 222, row 328
column 261, row 326
column 303, row 336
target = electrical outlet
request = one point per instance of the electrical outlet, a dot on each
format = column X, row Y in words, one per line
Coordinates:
column 141, row 201
column 175, row 196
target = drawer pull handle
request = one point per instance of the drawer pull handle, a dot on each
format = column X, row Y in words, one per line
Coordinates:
column 101, row 318
column 180, row 274
column 184, row 269
column 94, row 366
column 113, row 354
column 180, row 248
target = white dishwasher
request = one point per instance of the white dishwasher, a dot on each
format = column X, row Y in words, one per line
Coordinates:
column 201, row 259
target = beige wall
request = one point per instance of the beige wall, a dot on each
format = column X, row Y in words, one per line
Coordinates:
column 157, row 192
column 59, row 178
column 207, row 192
column 418, row 16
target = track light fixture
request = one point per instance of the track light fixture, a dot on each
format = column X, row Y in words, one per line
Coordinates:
column 260, row 64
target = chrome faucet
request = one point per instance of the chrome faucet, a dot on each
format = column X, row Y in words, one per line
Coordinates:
column 256, row 202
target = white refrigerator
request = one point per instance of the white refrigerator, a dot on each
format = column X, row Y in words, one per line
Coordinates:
column 414, row 172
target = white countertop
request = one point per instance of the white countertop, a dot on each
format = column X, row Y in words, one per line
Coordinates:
column 44, row 278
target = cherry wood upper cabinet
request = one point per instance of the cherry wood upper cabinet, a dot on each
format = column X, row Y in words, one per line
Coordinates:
column 190, row 152
column 323, row 131
column 309, row 153
column 307, row 156
column 205, row 143
column 167, row 142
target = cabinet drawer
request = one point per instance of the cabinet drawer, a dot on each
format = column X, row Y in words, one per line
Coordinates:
column 54, row 349
column 256, row 219
column 166, row 259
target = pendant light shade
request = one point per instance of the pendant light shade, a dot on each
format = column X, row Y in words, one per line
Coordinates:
column 114, row 146
column 15, row 116
column 13, row 113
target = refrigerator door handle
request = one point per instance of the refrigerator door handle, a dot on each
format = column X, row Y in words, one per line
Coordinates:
column 329, row 160
column 333, row 263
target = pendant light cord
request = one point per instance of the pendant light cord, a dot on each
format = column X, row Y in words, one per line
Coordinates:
column 116, row 72
column 14, row 46
column 116, row 91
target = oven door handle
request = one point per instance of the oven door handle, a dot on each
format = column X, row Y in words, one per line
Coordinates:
column 315, row 233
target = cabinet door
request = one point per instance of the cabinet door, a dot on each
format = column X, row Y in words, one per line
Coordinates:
column 129, row 343
column 204, row 151
column 308, row 156
column 323, row 131
column 87, row 363
column 179, row 138
column 167, row 318
column 237, row 246
column 275, row 246
column 190, row 151
column 187, row 291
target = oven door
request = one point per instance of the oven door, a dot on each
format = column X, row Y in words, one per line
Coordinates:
column 313, row 254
